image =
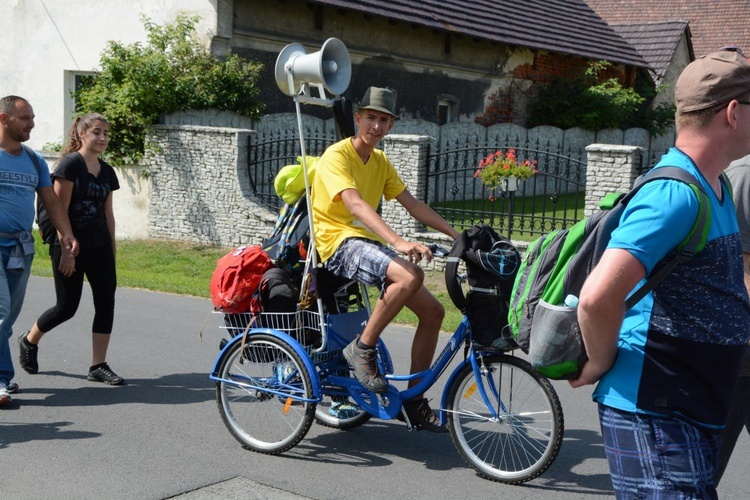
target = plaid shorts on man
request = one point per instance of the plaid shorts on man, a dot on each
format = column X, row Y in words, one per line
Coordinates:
column 653, row 457
column 363, row 260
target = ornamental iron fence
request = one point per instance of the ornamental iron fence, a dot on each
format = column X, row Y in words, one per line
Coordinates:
column 268, row 153
column 551, row 199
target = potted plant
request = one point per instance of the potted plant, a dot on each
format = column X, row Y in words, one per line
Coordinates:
column 502, row 170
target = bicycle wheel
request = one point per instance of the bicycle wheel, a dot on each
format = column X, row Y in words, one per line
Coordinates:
column 259, row 394
column 525, row 438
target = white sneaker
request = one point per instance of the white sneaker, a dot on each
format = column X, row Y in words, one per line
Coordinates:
column 4, row 394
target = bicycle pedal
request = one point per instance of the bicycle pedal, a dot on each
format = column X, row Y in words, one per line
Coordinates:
column 223, row 343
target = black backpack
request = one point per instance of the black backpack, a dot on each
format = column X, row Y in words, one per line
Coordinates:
column 277, row 291
column 47, row 231
column 492, row 262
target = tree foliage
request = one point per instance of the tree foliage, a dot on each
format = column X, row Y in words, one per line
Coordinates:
column 593, row 102
column 171, row 72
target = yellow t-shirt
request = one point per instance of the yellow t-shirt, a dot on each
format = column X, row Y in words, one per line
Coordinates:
column 341, row 168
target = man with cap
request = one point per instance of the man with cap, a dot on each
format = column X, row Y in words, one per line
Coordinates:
column 666, row 368
column 354, row 242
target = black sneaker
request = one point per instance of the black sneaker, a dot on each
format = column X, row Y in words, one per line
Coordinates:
column 27, row 355
column 103, row 373
column 421, row 416
column 365, row 364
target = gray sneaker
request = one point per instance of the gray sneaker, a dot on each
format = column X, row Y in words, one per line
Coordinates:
column 365, row 364
column 344, row 410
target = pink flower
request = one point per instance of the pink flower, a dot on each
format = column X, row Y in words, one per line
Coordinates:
column 496, row 167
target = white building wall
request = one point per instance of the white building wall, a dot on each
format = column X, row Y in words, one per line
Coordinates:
column 46, row 42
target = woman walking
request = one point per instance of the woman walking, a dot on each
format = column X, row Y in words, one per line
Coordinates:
column 84, row 183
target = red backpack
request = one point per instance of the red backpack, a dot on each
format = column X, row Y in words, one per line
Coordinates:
column 235, row 281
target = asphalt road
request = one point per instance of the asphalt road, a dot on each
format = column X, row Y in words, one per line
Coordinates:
column 161, row 435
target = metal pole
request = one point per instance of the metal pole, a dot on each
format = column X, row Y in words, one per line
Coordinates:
column 511, row 197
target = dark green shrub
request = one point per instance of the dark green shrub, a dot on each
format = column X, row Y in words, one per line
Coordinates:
column 594, row 102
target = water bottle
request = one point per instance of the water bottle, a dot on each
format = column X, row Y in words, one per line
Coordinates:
column 571, row 301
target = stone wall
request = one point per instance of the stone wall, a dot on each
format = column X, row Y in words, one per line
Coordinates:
column 200, row 188
column 610, row 169
column 201, row 191
column 553, row 139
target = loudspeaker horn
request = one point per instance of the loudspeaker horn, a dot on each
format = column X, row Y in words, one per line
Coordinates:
column 330, row 67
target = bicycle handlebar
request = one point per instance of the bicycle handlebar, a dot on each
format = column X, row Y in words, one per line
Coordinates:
column 438, row 251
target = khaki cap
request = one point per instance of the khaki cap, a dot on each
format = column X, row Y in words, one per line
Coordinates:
column 711, row 80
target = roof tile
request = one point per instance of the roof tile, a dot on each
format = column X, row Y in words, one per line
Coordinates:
column 562, row 26
column 656, row 42
column 712, row 24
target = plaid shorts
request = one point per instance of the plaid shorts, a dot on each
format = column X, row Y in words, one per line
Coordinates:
column 363, row 260
column 657, row 457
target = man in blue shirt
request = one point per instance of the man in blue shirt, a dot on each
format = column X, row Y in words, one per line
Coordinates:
column 19, row 181
column 666, row 368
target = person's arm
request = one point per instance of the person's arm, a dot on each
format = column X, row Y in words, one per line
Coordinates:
column 601, row 309
column 64, row 191
column 109, row 213
column 58, row 214
column 372, row 221
column 424, row 214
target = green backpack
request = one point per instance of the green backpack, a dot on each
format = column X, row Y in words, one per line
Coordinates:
column 555, row 266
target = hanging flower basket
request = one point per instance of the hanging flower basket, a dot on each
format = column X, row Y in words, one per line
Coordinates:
column 503, row 171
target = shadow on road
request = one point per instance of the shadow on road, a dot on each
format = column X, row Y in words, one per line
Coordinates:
column 12, row 433
column 175, row 389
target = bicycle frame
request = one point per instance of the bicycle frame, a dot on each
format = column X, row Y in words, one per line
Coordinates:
column 382, row 405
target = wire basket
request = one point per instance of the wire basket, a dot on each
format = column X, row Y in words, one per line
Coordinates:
column 303, row 326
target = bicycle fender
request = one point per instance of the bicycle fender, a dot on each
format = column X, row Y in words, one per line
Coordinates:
column 317, row 389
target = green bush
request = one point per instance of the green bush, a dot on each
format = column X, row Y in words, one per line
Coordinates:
column 594, row 102
column 171, row 72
